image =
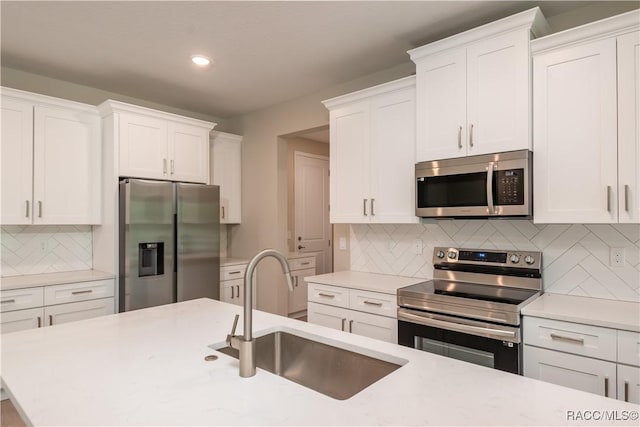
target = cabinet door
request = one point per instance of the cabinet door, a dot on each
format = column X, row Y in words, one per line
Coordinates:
column 298, row 298
column 373, row 326
column 17, row 161
column 629, row 383
column 226, row 165
column 66, row 175
column 64, row 313
column 629, row 127
column 441, row 106
column 575, row 134
column 21, row 320
column 498, row 111
column 392, row 172
column 143, row 147
column 188, row 153
column 349, row 163
column 577, row 372
column 326, row 315
column 227, row 291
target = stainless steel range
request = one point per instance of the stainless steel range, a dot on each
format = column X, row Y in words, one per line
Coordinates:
column 471, row 309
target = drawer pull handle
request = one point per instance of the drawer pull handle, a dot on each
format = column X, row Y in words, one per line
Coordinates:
column 50, row 320
column 86, row 291
column 568, row 339
column 305, row 263
column 7, row 301
column 626, row 391
column 234, row 272
column 343, row 320
column 39, row 209
column 26, row 212
column 39, row 322
column 350, row 325
column 377, row 304
column 326, row 295
column 606, row 386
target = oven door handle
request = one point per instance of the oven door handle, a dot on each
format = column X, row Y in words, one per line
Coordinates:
column 453, row 326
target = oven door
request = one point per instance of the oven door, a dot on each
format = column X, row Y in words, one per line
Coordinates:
column 485, row 344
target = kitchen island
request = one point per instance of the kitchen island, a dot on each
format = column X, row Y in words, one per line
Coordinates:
column 147, row 367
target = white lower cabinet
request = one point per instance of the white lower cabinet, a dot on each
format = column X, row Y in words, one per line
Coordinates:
column 297, row 300
column 232, row 291
column 351, row 310
column 20, row 320
column 590, row 358
column 72, row 312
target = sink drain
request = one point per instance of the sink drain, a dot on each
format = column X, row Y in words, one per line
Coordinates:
column 210, row 358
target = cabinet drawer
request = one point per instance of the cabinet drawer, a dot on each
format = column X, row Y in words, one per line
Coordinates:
column 585, row 340
column 81, row 291
column 18, row 299
column 21, row 320
column 629, row 348
column 302, row 263
column 232, row 272
column 331, row 295
column 373, row 302
column 65, row 313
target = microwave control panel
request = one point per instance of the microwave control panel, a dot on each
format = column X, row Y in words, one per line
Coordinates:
column 510, row 186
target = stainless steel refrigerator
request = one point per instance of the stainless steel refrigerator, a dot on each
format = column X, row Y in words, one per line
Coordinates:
column 169, row 242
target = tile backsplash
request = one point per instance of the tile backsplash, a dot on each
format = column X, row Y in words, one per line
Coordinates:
column 33, row 249
column 576, row 257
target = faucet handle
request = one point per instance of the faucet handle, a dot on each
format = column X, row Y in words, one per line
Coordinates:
column 233, row 330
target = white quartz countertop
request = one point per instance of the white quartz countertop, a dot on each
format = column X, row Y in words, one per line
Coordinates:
column 232, row 261
column 47, row 279
column 592, row 311
column 147, row 367
column 383, row 283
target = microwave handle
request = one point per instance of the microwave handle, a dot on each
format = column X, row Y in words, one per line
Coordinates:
column 490, row 188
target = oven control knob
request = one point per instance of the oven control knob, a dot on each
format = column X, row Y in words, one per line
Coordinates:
column 515, row 259
column 529, row 259
column 440, row 254
column 452, row 255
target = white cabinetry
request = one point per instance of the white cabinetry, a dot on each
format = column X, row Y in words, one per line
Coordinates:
column 300, row 268
column 587, row 150
column 232, row 283
column 157, row 145
column 226, row 171
column 372, row 156
column 371, row 314
column 473, row 89
column 590, row 358
column 50, row 160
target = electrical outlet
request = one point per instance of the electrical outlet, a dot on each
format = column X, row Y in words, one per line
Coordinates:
column 342, row 243
column 418, row 246
column 617, row 257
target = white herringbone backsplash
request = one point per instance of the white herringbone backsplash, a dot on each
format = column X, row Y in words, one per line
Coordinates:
column 34, row 249
column 576, row 257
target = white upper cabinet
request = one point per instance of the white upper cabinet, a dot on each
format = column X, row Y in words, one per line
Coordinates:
column 50, row 160
column 226, row 171
column 158, row 145
column 586, row 123
column 473, row 89
column 372, row 158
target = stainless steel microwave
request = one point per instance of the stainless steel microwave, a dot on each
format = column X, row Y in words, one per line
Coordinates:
column 489, row 185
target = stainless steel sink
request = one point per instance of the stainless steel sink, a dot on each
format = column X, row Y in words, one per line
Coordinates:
column 330, row 370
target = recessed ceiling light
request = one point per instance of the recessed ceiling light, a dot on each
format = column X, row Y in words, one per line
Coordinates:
column 201, row 61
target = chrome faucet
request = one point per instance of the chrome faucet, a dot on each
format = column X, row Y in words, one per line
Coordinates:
column 245, row 344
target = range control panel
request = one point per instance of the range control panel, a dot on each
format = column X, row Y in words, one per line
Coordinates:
column 521, row 259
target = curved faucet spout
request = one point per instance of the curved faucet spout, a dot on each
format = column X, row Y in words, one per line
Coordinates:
column 248, row 280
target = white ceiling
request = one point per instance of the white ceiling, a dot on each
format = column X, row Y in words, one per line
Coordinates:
column 264, row 52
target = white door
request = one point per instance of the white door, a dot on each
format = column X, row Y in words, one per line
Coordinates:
column 143, row 147
column 188, row 153
column 577, row 372
column 629, row 127
column 17, row 161
column 629, row 383
column 312, row 227
column 441, row 106
column 66, row 167
column 349, row 158
column 575, row 134
column 393, row 157
column 498, row 94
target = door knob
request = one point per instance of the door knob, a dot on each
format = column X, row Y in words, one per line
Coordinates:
column 301, row 247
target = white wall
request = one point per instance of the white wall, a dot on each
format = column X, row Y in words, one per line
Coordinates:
column 576, row 257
